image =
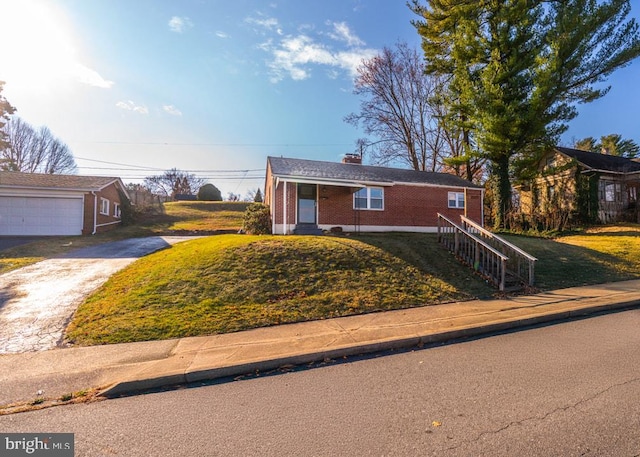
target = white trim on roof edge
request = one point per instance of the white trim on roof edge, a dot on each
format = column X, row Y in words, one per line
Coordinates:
column 329, row 182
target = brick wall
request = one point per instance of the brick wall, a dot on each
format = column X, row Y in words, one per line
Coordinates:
column 111, row 194
column 404, row 206
column 414, row 206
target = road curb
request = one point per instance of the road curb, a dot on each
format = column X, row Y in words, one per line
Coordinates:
column 133, row 386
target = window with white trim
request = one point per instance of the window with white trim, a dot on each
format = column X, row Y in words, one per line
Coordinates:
column 104, row 206
column 456, row 200
column 116, row 210
column 369, row 198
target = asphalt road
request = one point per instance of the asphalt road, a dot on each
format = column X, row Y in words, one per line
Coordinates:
column 571, row 389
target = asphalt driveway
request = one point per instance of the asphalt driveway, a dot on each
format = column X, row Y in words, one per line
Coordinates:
column 7, row 242
column 38, row 301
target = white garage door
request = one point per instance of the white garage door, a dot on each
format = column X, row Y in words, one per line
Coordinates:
column 40, row 216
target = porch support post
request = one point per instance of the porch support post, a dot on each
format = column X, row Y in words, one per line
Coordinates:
column 272, row 203
column 285, row 220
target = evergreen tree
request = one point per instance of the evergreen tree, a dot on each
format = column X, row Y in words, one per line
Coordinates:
column 6, row 110
column 209, row 193
column 612, row 144
column 517, row 68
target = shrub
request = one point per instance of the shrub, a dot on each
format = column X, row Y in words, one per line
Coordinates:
column 127, row 212
column 209, row 193
column 257, row 219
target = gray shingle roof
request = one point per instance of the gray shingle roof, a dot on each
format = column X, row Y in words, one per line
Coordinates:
column 365, row 174
column 603, row 162
column 48, row 181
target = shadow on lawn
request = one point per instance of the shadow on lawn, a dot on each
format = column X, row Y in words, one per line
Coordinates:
column 563, row 265
column 559, row 265
column 422, row 251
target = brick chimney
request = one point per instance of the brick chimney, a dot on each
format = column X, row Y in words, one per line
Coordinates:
column 352, row 158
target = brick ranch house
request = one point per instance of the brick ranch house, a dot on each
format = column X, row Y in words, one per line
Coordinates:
column 306, row 196
column 33, row 204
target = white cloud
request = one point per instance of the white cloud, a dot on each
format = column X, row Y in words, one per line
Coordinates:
column 221, row 34
column 131, row 106
column 265, row 23
column 180, row 24
column 91, row 77
column 172, row 110
column 342, row 32
column 294, row 56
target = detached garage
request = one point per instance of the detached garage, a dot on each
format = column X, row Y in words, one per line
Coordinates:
column 33, row 204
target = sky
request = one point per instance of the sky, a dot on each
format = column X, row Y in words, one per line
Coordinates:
column 213, row 87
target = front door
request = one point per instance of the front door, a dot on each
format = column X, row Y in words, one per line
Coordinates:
column 306, row 203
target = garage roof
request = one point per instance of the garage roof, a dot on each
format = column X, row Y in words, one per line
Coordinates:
column 49, row 181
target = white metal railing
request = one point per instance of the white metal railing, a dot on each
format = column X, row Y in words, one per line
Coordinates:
column 520, row 264
column 473, row 251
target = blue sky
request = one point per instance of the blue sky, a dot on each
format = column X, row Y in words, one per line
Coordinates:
column 215, row 86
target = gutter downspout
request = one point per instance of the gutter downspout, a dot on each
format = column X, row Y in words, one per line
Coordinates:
column 95, row 212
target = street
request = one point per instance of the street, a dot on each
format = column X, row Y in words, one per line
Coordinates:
column 570, row 389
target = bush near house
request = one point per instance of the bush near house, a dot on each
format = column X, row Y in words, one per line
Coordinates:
column 257, row 220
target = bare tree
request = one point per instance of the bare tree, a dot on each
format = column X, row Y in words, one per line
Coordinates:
column 400, row 110
column 57, row 156
column 173, row 182
column 35, row 151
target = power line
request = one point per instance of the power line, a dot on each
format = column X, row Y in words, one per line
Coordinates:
column 247, row 145
column 164, row 169
column 138, row 167
column 216, row 178
column 115, row 163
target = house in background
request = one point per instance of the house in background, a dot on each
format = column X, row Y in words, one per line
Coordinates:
column 586, row 185
column 48, row 204
column 308, row 196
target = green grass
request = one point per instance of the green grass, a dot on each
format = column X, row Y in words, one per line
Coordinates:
column 228, row 283
column 598, row 255
column 196, row 216
column 176, row 218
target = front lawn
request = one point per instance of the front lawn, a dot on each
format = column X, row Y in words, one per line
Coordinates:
column 228, row 283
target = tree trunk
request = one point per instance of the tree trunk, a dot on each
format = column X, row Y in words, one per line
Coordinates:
column 502, row 196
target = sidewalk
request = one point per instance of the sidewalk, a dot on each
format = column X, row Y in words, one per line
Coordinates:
column 127, row 368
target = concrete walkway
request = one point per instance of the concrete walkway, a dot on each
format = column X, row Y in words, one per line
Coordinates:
column 37, row 301
column 127, row 368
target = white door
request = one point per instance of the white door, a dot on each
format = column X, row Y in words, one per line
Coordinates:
column 29, row 216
